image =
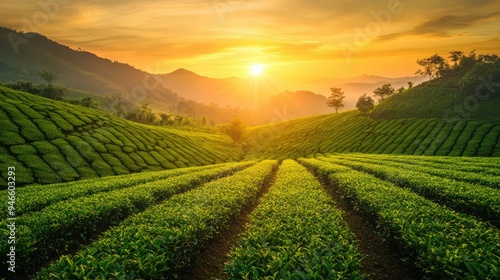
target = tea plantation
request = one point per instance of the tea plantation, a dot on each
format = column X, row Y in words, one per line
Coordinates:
column 49, row 141
column 297, row 200
column 156, row 224
column 350, row 132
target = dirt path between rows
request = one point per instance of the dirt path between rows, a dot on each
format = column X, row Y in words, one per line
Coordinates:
column 380, row 261
column 210, row 262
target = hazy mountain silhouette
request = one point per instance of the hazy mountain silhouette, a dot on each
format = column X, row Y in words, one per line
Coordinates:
column 75, row 69
column 23, row 54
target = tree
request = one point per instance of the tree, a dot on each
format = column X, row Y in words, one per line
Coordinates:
column 483, row 79
column 119, row 106
column 434, row 67
column 164, row 118
column 88, row 102
column 410, row 85
column 52, row 92
column 488, row 58
column 235, row 129
column 47, row 76
column 146, row 114
column 384, row 91
column 365, row 104
column 456, row 56
column 336, row 99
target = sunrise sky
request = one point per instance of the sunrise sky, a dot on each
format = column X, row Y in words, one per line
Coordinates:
column 293, row 39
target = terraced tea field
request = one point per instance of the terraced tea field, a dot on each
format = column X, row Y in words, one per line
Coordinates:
column 288, row 220
column 49, row 142
column 349, row 132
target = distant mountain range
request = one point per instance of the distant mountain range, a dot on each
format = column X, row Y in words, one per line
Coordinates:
column 85, row 71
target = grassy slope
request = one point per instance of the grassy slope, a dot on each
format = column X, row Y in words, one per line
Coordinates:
column 350, row 132
column 441, row 99
column 49, row 141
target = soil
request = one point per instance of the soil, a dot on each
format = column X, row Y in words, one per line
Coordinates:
column 211, row 261
column 380, row 261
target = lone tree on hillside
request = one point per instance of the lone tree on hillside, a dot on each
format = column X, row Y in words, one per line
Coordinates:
column 47, row 76
column 235, row 129
column 365, row 104
column 384, row 91
column 336, row 99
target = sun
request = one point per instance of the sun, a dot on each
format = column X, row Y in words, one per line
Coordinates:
column 256, row 69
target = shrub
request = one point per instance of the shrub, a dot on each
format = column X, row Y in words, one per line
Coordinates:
column 23, row 150
column 49, row 129
column 8, row 138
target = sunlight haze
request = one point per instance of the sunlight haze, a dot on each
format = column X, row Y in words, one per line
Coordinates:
column 302, row 40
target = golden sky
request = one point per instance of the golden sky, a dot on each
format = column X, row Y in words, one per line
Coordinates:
column 295, row 39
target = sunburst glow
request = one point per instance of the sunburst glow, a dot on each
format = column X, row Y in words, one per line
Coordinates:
column 256, row 69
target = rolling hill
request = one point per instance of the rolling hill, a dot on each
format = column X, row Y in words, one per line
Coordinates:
column 49, row 141
column 351, row 132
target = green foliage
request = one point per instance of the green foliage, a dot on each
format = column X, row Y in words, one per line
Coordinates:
column 83, row 148
column 138, row 160
column 115, row 164
column 468, row 90
column 365, row 104
column 70, row 118
column 36, row 197
column 336, row 99
column 41, row 171
column 7, row 125
column 61, row 167
column 60, row 122
column 86, row 101
column 98, row 146
column 295, row 233
column 462, row 196
column 384, row 91
column 47, row 76
column 182, row 225
column 442, row 243
column 434, row 66
column 235, row 129
column 124, row 159
column 102, row 168
column 143, row 114
column 62, row 226
column 28, row 112
column 23, row 150
column 71, row 155
column 23, row 175
column 48, row 129
column 8, row 138
column 482, row 79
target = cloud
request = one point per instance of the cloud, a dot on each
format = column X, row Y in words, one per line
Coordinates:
column 442, row 26
column 192, row 32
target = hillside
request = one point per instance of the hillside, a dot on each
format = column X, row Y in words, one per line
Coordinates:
column 76, row 69
column 469, row 91
column 439, row 100
column 351, row 132
column 49, row 141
